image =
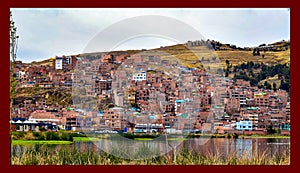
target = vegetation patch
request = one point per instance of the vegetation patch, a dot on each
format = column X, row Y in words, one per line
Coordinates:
column 177, row 139
column 42, row 156
column 143, row 139
column 48, row 136
column 27, row 142
column 85, row 139
column 265, row 136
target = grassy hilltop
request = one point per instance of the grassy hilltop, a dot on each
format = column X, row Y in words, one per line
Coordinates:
column 235, row 56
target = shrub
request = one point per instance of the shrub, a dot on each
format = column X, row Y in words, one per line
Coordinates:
column 227, row 135
column 52, row 136
column 18, row 135
column 270, row 129
column 235, row 136
column 66, row 137
column 42, row 129
column 38, row 135
column 29, row 136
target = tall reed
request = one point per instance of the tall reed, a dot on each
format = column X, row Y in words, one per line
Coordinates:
column 40, row 155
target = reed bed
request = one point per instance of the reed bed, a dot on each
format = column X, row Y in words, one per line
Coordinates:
column 41, row 155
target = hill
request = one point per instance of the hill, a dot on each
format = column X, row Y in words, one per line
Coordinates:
column 268, row 69
column 191, row 55
column 279, row 54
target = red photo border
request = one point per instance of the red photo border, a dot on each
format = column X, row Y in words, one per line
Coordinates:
column 5, row 5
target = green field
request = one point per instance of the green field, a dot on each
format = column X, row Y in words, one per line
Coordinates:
column 26, row 142
column 85, row 139
column 177, row 139
column 143, row 139
column 263, row 136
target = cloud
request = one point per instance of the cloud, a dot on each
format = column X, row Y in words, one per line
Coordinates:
column 45, row 33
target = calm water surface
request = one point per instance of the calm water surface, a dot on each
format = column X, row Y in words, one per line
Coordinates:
column 212, row 146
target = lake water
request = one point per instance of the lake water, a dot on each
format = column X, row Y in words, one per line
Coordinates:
column 207, row 146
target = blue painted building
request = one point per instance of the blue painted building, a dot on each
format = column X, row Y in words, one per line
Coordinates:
column 244, row 125
column 286, row 127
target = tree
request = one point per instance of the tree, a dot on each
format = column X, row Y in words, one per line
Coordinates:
column 260, row 86
column 253, row 81
column 227, row 62
column 267, row 85
column 274, row 86
column 251, row 73
column 226, row 73
column 285, row 85
column 254, row 52
column 13, row 56
column 261, row 45
column 270, row 129
column 250, row 64
column 258, row 53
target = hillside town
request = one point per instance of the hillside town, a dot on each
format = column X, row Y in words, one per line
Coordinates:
column 143, row 93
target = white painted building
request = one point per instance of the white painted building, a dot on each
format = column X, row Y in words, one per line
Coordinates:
column 58, row 63
column 139, row 76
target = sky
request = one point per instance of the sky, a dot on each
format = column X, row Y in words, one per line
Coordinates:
column 46, row 33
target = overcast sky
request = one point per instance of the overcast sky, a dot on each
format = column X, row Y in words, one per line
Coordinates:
column 45, row 33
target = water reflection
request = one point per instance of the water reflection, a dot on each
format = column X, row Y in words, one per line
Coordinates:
column 242, row 147
column 215, row 146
